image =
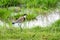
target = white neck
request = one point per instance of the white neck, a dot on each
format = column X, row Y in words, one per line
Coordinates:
column 24, row 16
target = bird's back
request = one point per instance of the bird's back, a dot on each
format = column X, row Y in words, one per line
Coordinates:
column 21, row 19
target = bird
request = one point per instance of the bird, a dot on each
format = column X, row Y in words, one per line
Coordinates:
column 20, row 20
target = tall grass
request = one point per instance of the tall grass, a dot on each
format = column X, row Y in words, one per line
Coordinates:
column 29, row 3
column 38, row 33
column 31, row 16
column 4, row 14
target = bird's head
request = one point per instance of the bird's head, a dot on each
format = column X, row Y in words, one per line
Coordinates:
column 25, row 15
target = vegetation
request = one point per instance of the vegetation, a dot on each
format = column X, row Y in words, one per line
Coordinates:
column 36, row 33
column 33, row 4
column 34, row 8
column 4, row 14
column 29, row 3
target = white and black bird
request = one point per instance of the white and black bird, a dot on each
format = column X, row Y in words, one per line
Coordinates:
column 20, row 19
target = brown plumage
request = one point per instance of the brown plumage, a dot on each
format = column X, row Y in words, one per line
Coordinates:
column 20, row 19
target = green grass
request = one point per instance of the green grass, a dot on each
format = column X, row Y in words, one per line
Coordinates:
column 30, row 3
column 36, row 33
column 4, row 13
column 28, row 34
column 31, row 16
column 52, row 32
column 32, row 13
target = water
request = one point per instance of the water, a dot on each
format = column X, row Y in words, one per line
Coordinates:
column 40, row 20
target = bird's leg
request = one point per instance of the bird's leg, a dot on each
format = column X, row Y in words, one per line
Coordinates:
column 20, row 27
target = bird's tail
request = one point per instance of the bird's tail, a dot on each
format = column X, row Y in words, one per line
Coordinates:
column 13, row 23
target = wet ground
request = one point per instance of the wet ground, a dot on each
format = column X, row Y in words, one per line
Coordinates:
column 41, row 20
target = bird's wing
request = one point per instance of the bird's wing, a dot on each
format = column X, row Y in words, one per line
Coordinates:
column 20, row 19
